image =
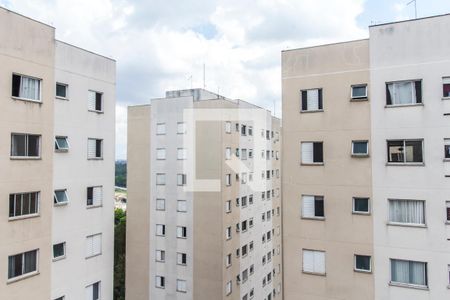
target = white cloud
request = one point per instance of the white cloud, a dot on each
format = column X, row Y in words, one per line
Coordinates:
column 159, row 45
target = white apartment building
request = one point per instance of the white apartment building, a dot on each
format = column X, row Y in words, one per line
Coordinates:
column 367, row 208
column 57, row 166
column 204, row 201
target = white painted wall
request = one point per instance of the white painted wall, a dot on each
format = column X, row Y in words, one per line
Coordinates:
column 83, row 71
column 402, row 51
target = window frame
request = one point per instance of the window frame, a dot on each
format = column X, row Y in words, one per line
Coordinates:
column 94, row 254
column 183, row 127
column 163, row 153
column 404, row 284
column 162, row 282
column 94, row 205
column 58, row 148
column 445, row 81
column 359, row 98
column 18, row 97
column 102, row 102
column 314, row 272
column 22, row 216
column 56, row 258
column 313, row 163
column 27, row 150
column 55, row 198
column 413, row 93
column 319, row 218
column 392, row 163
column 158, row 126
column 304, row 92
column 357, row 212
column 178, row 288
column 366, row 154
column 66, row 86
column 396, row 223
column 355, row 268
column 96, row 150
column 24, row 275
column 178, row 206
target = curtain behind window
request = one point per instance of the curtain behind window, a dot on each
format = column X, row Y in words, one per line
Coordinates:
column 407, row 211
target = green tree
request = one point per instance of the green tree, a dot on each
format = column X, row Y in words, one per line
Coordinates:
column 120, row 221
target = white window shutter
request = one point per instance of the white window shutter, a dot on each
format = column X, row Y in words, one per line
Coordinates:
column 307, row 153
column 98, row 195
column 307, row 206
column 319, row 262
column 313, row 99
column 98, row 244
column 91, row 100
column 91, row 148
column 89, row 292
column 308, row 261
column 89, row 246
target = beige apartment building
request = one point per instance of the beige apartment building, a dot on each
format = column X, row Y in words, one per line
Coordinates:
column 366, row 165
column 204, row 199
column 56, row 220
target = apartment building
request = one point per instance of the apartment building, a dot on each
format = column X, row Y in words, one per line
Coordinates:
column 204, row 199
column 58, row 165
column 367, row 209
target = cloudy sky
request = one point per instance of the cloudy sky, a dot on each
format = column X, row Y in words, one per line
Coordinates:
column 160, row 44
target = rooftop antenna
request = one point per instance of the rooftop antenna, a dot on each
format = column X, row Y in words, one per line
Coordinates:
column 415, row 7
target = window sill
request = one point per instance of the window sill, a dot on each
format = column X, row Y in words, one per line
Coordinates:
column 406, row 164
column 95, row 158
column 313, row 218
column 59, row 258
column 447, row 222
column 360, row 99
column 62, row 98
column 406, row 225
column 315, row 274
column 312, row 164
column 446, row 160
column 61, row 150
column 92, row 256
column 362, row 271
column 361, row 213
column 403, row 105
column 360, row 155
column 411, row 286
column 22, row 277
column 60, row 204
column 26, row 100
column 25, row 158
column 445, row 98
column 96, row 111
column 30, row 216
column 94, row 206
column 311, row 111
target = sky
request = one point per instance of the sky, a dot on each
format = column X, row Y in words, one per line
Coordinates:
column 162, row 45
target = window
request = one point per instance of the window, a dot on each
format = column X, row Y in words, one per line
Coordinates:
column 404, row 92
column 227, row 153
column 228, row 127
column 160, row 154
column 244, row 154
column 228, row 233
column 160, row 204
column 250, row 199
column 25, row 87
column 446, row 87
column 160, row 128
column 361, row 205
column 160, row 282
column 312, row 100
column 94, row 196
column 250, row 130
column 181, row 258
column 407, row 212
column 59, row 250
column 447, row 148
column 228, row 179
column 250, row 153
column 244, row 250
column 95, row 148
column 181, row 232
column 267, row 134
column 447, row 204
column 360, row 148
column 22, row 264
column 228, row 206
column 61, row 90
column 228, row 288
column 314, row 261
column 237, row 127
column 25, row 145
column 313, row 207
column 93, row 245
column 160, row 230
column 409, row 272
column 182, row 206
column 405, row 151
column 181, row 128
column 243, row 129
column 363, row 263
column 181, row 153
column 181, row 286
column 181, row 179
column 237, row 152
column 23, row 204
column 93, row 291
column 160, row 179
column 160, row 255
column 228, row 260
column 359, row 91
column 244, row 178
column 61, row 144
column 312, row 152
column 60, row 197
column 95, row 101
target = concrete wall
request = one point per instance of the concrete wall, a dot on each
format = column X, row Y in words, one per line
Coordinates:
column 27, row 48
column 138, row 204
column 334, row 68
column 83, row 71
column 402, row 51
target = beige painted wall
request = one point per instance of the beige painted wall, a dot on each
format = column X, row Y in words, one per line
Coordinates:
column 27, row 47
column 334, row 68
column 138, row 206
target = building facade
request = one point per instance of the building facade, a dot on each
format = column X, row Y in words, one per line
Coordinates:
column 366, row 209
column 58, row 165
column 204, row 191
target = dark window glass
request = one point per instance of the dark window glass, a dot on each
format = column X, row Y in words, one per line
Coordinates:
column 362, row 262
column 361, row 205
column 90, row 196
column 98, row 101
column 15, row 85
column 405, row 151
column 11, row 205
column 447, row 151
column 360, row 147
column 18, row 145
column 98, row 148
column 61, row 90
column 446, row 90
column 33, row 145
column 25, row 204
column 318, row 207
column 318, row 152
column 96, row 291
column 448, row 213
column 359, row 91
column 58, row 250
column 14, row 266
column 414, row 151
